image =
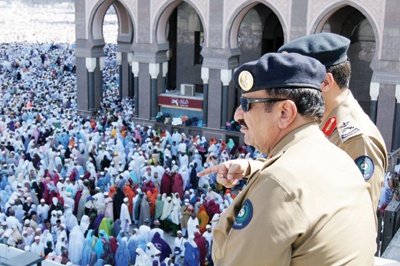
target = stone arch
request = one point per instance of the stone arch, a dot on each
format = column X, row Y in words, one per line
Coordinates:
column 320, row 19
column 234, row 21
column 125, row 22
column 162, row 41
column 353, row 22
column 163, row 15
column 363, row 32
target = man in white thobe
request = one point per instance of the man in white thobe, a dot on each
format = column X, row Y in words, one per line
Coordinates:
column 124, row 216
column 193, row 225
column 37, row 247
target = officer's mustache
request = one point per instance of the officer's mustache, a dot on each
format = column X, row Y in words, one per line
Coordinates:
column 242, row 123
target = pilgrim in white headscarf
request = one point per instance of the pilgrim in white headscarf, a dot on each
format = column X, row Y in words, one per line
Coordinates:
column 153, row 252
column 76, row 240
column 142, row 258
column 167, row 209
column 26, row 238
column 184, row 172
column 61, row 243
column 46, row 237
column 84, row 224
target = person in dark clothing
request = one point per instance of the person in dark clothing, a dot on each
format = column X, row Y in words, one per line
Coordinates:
column 28, row 205
column 194, row 179
column 105, row 163
column 117, row 202
column 48, row 248
column 67, row 153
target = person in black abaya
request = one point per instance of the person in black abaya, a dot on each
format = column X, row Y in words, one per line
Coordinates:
column 194, row 179
column 105, row 163
column 117, row 202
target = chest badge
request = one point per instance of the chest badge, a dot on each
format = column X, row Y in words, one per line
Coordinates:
column 244, row 216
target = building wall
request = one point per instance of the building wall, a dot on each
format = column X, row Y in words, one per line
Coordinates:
column 376, row 59
column 187, row 71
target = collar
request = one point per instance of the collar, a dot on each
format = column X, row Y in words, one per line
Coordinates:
column 291, row 139
column 337, row 115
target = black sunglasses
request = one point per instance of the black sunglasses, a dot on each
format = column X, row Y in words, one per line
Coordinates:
column 245, row 102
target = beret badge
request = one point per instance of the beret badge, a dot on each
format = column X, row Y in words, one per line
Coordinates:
column 246, row 80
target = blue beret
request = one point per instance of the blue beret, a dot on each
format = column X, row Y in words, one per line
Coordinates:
column 280, row 70
column 329, row 48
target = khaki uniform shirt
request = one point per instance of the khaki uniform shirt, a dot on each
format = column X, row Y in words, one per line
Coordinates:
column 306, row 205
column 349, row 128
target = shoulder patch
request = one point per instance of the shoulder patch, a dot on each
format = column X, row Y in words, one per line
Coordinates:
column 244, row 216
column 366, row 166
column 348, row 128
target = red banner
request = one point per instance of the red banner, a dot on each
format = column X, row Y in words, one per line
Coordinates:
column 180, row 102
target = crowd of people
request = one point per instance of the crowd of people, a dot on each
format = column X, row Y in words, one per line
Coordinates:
column 101, row 189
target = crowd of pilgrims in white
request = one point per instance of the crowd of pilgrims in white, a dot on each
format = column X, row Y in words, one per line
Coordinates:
column 101, row 189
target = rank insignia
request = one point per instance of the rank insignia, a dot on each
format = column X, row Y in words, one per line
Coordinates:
column 366, row 166
column 244, row 216
column 329, row 126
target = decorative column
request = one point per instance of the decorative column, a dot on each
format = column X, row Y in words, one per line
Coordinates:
column 119, row 60
column 205, row 75
column 90, row 66
column 102, row 66
column 135, row 72
column 164, row 74
column 374, row 93
column 154, row 70
column 226, row 77
column 396, row 131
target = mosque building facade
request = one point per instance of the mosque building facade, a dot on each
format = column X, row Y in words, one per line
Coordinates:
column 178, row 57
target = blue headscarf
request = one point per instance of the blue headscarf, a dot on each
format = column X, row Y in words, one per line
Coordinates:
column 192, row 255
column 102, row 183
column 122, row 255
column 87, row 248
column 132, row 246
column 99, row 247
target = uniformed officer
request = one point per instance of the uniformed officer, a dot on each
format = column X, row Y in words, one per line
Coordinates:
column 344, row 123
column 302, row 205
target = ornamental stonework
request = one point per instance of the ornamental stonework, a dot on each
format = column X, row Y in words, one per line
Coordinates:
column 204, row 8
column 374, row 8
column 284, row 8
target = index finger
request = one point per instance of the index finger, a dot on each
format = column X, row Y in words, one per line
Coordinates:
column 211, row 170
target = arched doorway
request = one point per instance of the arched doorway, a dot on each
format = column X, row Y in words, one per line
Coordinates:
column 110, row 65
column 185, row 35
column 351, row 23
column 90, row 54
column 260, row 32
column 184, row 32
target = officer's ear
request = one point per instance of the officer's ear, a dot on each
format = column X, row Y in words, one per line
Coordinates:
column 328, row 83
column 288, row 112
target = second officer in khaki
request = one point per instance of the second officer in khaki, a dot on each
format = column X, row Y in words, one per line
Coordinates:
column 344, row 123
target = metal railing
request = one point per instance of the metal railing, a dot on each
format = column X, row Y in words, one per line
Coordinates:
column 393, row 159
